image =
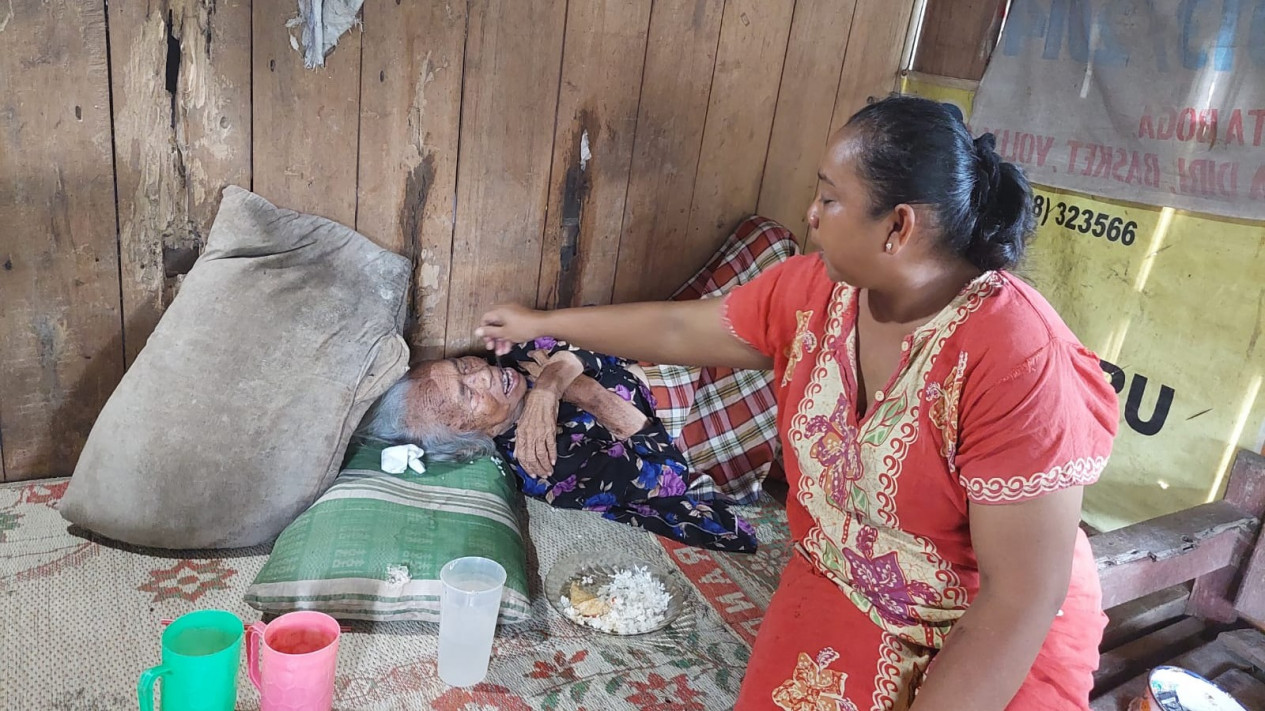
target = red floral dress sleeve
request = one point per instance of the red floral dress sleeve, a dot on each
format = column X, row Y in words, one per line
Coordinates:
column 1046, row 425
column 761, row 312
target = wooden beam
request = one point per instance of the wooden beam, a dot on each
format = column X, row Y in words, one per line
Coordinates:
column 1245, row 688
column 60, row 327
column 801, row 124
column 680, row 59
column 1213, row 596
column 958, row 37
column 1164, row 551
column 603, row 57
column 1209, row 661
column 1144, row 615
column 410, row 119
column 1250, row 601
column 508, row 109
column 1128, row 660
column 181, row 135
column 1248, row 644
column 1245, row 487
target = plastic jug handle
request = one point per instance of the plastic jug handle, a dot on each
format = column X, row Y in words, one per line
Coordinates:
column 254, row 640
column 145, row 686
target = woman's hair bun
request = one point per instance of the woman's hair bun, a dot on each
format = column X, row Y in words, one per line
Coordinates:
column 1002, row 200
column 919, row 152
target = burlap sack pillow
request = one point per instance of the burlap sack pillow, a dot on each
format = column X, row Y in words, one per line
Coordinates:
column 235, row 416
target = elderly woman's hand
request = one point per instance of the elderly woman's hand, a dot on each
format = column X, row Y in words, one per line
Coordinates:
column 537, row 439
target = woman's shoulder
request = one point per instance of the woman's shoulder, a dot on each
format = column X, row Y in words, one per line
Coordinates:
column 1015, row 328
column 793, row 283
column 802, row 268
column 799, row 278
column 1015, row 314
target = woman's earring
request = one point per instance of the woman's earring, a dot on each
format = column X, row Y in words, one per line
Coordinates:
column 888, row 247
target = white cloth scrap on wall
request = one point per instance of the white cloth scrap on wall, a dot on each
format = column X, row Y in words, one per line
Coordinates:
column 321, row 24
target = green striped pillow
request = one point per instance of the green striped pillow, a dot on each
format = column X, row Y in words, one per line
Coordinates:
column 343, row 556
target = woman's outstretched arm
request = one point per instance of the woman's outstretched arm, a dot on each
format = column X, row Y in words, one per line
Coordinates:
column 675, row 332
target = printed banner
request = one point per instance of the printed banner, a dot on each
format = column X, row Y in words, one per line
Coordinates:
column 1154, row 101
column 1174, row 305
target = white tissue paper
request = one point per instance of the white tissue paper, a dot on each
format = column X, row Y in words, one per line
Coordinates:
column 405, row 456
column 397, row 575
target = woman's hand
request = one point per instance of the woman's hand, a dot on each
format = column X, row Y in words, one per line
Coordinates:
column 508, row 324
column 536, row 442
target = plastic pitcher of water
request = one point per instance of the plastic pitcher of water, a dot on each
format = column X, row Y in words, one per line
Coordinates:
column 467, row 618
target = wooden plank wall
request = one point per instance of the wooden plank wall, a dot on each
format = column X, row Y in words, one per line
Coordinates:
column 550, row 151
column 958, row 37
column 60, row 313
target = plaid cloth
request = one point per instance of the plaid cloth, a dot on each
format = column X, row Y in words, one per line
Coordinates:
column 725, row 420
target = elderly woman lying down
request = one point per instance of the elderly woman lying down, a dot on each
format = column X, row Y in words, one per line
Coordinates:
column 579, row 429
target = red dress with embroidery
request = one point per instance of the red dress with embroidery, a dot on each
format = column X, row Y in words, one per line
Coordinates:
column 994, row 402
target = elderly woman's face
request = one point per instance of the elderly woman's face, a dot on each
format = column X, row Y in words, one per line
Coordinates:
column 467, row 394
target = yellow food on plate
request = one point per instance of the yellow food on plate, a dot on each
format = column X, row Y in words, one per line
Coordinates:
column 586, row 603
column 593, row 608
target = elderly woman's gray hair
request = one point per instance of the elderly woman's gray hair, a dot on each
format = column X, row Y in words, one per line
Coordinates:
column 388, row 422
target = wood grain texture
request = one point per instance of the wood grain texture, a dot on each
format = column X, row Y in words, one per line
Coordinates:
column 805, row 106
column 1225, row 595
column 215, row 96
column 1164, row 551
column 872, row 62
column 680, row 58
column 305, row 121
column 410, row 123
column 958, row 37
column 602, row 61
column 740, row 111
column 1247, row 644
column 181, row 134
column 453, row 132
column 1249, row 602
column 60, row 328
column 1128, row 621
column 1245, row 486
column 1209, row 661
column 1118, row 665
column 1245, row 688
column 513, row 59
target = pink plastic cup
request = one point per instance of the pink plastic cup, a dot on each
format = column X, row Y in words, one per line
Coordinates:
column 292, row 659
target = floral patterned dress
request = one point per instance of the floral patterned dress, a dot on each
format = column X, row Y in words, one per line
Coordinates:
column 640, row 481
column 994, row 402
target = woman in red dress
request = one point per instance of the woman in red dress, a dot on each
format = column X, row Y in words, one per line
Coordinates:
column 939, row 422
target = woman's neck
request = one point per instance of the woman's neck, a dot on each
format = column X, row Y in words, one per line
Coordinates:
column 919, row 294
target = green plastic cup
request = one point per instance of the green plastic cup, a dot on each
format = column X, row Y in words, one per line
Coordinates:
column 201, row 655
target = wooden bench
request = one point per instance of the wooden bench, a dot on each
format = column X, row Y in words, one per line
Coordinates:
column 1187, row 589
